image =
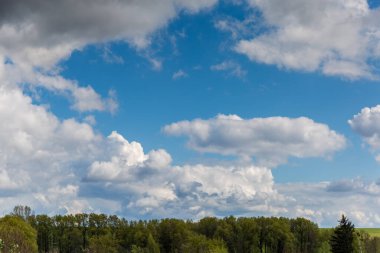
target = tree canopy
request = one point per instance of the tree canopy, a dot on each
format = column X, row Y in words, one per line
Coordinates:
column 17, row 235
column 23, row 231
column 343, row 237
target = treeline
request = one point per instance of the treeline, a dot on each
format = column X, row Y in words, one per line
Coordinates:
column 99, row 233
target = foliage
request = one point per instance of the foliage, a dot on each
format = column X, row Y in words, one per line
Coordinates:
column 98, row 233
column 17, row 235
column 103, row 244
column 343, row 237
column 201, row 244
column 306, row 234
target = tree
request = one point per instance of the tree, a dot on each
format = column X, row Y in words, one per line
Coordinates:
column 103, row 244
column 23, row 212
column 201, row 244
column 15, row 233
column 342, row 239
column 44, row 226
column 306, row 235
column 152, row 246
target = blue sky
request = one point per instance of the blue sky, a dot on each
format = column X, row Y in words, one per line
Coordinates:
column 192, row 108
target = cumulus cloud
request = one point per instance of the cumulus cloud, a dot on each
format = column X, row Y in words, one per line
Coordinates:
column 335, row 37
column 269, row 140
column 43, row 161
column 367, row 124
column 198, row 190
column 39, row 152
column 65, row 165
column 37, row 35
column 126, row 160
column 181, row 191
column 42, row 157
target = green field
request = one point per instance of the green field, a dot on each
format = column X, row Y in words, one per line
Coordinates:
column 374, row 232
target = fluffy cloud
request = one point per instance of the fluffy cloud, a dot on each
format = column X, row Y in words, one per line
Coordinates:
column 367, row 124
column 188, row 190
column 37, row 35
column 120, row 177
column 65, row 165
column 126, row 160
column 335, row 37
column 43, row 158
column 270, row 140
column 39, row 152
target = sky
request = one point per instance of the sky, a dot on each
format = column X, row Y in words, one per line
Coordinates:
column 189, row 109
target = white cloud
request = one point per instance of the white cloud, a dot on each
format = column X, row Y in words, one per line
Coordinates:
column 83, row 98
column 230, row 66
column 126, row 160
column 324, row 202
column 43, row 158
column 270, row 140
column 38, row 35
column 40, row 155
column 181, row 191
column 65, row 165
column 367, row 124
column 158, row 159
column 122, row 178
column 335, row 37
column 189, row 190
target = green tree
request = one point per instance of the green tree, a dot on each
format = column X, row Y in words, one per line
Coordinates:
column 207, row 226
column 152, row 246
column 342, row 239
column 201, row 244
column 23, row 212
column 172, row 235
column 103, row 244
column 247, row 235
column 44, row 226
column 324, row 240
column 15, row 233
column 306, row 235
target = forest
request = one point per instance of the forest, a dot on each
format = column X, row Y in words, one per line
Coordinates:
column 23, row 232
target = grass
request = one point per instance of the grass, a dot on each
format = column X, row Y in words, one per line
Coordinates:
column 373, row 232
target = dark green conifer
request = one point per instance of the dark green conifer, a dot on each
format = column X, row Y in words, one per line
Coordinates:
column 342, row 239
